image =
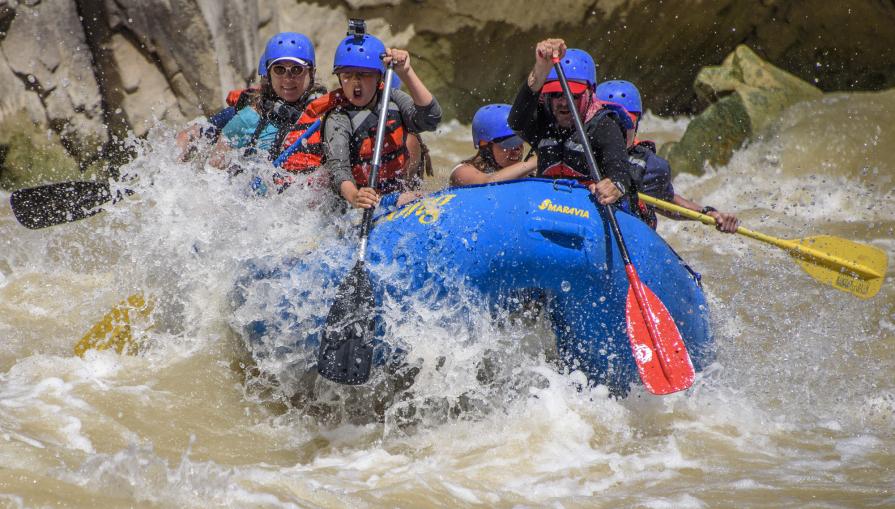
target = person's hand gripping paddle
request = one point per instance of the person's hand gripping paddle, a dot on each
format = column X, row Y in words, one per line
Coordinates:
column 346, row 349
column 659, row 351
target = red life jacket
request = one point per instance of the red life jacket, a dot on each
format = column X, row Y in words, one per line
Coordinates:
column 363, row 125
column 361, row 142
column 310, row 155
column 560, row 170
column 394, row 147
column 239, row 98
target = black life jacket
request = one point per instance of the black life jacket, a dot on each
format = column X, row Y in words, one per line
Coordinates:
column 562, row 155
column 653, row 176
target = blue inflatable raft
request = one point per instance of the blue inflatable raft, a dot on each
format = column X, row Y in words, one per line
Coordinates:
column 493, row 242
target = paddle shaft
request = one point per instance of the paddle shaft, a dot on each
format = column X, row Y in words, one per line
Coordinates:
column 367, row 222
column 595, row 172
column 789, row 245
column 633, row 279
column 345, row 354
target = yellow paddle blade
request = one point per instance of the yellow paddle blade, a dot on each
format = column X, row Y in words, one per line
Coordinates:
column 855, row 268
column 114, row 330
column 848, row 266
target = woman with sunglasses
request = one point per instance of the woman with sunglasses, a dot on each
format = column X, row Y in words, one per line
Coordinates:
column 265, row 115
column 499, row 155
column 542, row 117
column 349, row 128
column 258, row 117
column 656, row 179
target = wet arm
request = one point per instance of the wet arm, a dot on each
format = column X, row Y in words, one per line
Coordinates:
column 337, row 150
column 417, row 118
column 467, row 174
column 724, row 221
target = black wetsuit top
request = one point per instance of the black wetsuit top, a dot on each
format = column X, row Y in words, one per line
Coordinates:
column 555, row 145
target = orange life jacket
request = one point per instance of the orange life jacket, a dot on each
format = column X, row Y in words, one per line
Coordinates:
column 310, row 155
column 239, row 98
column 394, row 147
column 363, row 138
column 361, row 142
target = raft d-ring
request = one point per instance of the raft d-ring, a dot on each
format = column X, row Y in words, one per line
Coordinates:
column 564, row 185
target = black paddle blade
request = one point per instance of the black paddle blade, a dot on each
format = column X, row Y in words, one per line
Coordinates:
column 346, row 349
column 52, row 204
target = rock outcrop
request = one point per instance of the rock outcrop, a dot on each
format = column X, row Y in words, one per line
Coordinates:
column 91, row 71
column 32, row 154
column 49, row 86
column 746, row 94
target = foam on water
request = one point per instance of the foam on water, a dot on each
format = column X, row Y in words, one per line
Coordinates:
column 798, row 406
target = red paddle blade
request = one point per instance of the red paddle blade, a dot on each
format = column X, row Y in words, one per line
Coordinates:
column 659, row 350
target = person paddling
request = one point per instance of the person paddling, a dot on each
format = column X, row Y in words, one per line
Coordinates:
column 499, row 150
column 260, row 118
column 542, row 117
column 656, row 180
column 349, row 125
column 266, row 115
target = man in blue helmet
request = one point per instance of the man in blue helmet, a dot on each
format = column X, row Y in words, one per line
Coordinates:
column 498, row 150
column 656, row 172
column 542, row 117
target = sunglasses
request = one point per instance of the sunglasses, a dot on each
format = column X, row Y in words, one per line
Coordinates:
column 557, row 95
column 294, row 71
column 511, row 142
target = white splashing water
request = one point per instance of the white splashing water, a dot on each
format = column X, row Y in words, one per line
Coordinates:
column 799, row 406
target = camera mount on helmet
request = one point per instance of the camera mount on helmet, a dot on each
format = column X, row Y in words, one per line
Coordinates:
column 357, row 28
column 359, row 49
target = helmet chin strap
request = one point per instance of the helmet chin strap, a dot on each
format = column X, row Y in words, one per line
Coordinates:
column 311, row 86
column 548, row 105
column 586, row 101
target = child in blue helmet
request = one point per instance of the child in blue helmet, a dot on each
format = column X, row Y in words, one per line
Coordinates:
column 349, row 129
column 499, row 150
column 656, row 179
column 542, row 117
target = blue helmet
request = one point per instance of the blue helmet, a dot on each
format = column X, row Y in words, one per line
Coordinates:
column 490, row 123
column 621, row 92
column 364, row 52
column 287, row 45
column 579, row 66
